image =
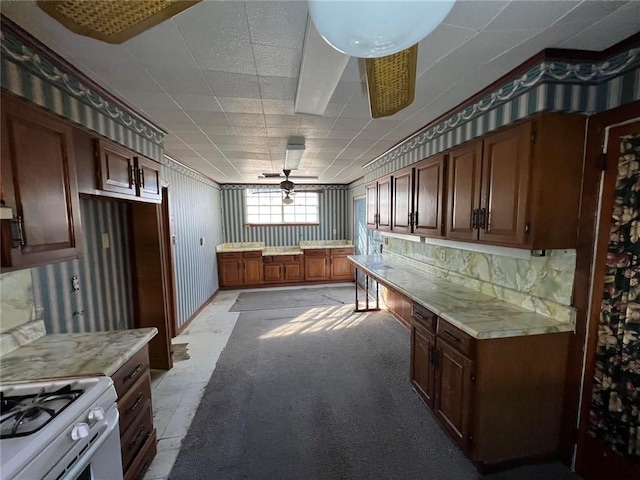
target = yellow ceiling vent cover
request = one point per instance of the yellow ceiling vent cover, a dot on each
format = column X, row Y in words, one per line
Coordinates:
column 112, row 21
column 392, row 81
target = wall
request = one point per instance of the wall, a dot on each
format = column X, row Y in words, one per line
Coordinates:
column 195, row 209
column 104, row 299
column 334, row 207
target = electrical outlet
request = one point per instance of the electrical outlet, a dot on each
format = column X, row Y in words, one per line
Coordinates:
column 75, row 283
column 442, row 254
column 105, row 240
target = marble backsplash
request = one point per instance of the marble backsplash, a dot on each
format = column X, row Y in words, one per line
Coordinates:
column 542, row 284
column 17, row 305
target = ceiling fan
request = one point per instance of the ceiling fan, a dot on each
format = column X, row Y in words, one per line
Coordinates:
column 385, row 33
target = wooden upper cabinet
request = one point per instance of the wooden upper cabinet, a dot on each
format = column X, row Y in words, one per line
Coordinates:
column 127, row 174
column 379, row 204
column 402, row 203
column 504, row 193
column 148, row 178
column 517, row 186
column 429, row 196
column 465, row 170
column 117, row 168
column 38, row 179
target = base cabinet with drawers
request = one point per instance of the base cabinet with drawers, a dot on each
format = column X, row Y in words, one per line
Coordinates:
column 499, row 399
column 137, row 434
column 283, row 268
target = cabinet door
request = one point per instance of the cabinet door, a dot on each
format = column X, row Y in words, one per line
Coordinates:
column 117, row 169
column 230, row 273
column 341, row 268
column 315, row 268
column 273, row 272
column 463, row 191
column 372, row 205
column 402, row 203
column 505, row 185
column 38, row 180
column 429, row 197
column 148, row 178
column 293, row 272
column 454, row 393
column 384, row 204
column 422, row 369
column 253, row 271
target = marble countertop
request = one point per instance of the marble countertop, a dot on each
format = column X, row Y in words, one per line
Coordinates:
column 274, row 251
column 479, row 315
column 73, row 355
column 293, row 250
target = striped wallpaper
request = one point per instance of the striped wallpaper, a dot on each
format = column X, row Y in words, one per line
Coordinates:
column 32, row 76
column 195, row 209
column 550, row 86
column 104, row 299
column 333, row 217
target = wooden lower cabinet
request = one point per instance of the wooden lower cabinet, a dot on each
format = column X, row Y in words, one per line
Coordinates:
column 137, row 434
column 316, row 265
column 397, row 304
column 500, row 399
column 237, row 269
column 340, row 266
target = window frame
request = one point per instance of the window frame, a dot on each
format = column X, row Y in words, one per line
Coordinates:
column 248, row 192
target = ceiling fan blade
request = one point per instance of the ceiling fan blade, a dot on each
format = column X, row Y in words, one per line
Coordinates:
column 391, row 81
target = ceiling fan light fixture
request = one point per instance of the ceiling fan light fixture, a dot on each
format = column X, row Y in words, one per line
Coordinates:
column 112, row 21
column 376, row 28
column 287, row 200
column 391, row 82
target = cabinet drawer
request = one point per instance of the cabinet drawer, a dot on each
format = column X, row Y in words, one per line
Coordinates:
column 269, row 259
column 231, row 255
column 144, row 458
column 342, row 251
column 134, row 438
column 456, row 338
column 252, row 254
column 423, row 317
column 317, row 252
column 131, row 371
column 134, row 401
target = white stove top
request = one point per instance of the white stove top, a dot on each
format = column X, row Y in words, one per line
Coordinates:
column 73, row 427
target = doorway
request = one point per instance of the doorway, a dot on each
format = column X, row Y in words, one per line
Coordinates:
column 609, row 425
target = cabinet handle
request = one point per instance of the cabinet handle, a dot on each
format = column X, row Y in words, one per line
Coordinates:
column 141, row 434
column 474, row 219
column 415, row 219
column 482, row 219
column 17, row 232
column 134, row 372
column 451, row 336
column 132, row 175
column 141, row 177
column 137, row 403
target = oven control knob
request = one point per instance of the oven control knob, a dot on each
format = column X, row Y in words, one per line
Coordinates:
column 80, row 430
column 96, row 414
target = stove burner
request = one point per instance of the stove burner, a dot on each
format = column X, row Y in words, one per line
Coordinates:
column 24, row 414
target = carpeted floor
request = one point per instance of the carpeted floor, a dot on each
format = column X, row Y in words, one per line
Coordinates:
column 319, row 392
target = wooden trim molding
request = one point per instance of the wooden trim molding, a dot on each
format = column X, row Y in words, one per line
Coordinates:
column 188, row 321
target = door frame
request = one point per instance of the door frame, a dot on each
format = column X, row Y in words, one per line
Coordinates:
column 166, row 245
column 592, row 244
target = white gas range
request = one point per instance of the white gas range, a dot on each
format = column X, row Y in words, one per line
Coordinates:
column 60, row 429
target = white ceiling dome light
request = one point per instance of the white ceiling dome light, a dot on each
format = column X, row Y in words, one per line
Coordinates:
column 376, row 28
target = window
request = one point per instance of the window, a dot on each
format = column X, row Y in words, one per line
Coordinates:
column 266, row 207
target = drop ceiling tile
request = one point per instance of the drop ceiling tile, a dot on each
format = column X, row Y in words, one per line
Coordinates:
column 316, row 121
column 194, row 103
column 240, row 105
column 117, row 76
column 335, row 143
column 278, row 24
column 246, row 119
column 355, row 71
column 279, row 88
column 474, row 15
column 238, row 147
column 222, row 139
column 226, row 84
column 487, row 45
column 152, row 100
column 277, row 107
column 208, row 119
column 351, row 124
column 237, row 58
column 591, row 11
column 213, row 130
column 282, row 131
column 212, row 23
column 382, row 125
column 333, row 109
column 281, row 120
column 277, row 61
column 346, row 92
column 356, row 110
column 253, row 142
column 251, row 131
column 439, row 43
column 180, row 80
column 164, row 37
column 530, row 15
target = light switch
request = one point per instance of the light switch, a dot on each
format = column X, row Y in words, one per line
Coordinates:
column 105, row 240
